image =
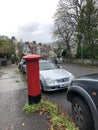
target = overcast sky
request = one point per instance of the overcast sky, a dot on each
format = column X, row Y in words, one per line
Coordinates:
column 29, row 20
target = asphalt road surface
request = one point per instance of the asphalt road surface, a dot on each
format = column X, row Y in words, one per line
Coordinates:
column 60, row 96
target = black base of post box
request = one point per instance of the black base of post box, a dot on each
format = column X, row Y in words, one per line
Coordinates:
column 34, row 99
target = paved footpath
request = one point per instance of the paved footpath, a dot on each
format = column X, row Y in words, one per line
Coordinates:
column 13, row 96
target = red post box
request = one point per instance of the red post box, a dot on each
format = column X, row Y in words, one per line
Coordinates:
column 33, row 78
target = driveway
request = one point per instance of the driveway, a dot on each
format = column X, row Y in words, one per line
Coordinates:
column 13, row 96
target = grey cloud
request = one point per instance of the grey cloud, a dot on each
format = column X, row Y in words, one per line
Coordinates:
column 30, row 27
column 35, row 32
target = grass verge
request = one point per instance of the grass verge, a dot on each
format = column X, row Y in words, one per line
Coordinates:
column 57, row 119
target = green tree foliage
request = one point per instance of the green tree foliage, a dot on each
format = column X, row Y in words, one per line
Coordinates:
column 85, row 52
column 6, row 47
column 87, row 29
column 88, row 23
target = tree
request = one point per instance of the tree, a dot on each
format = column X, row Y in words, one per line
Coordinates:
column 66, row 21
column 88, row 26
column 59, row 50
column 63, row 25
column 6, row 47
column 77, row 21
column 14, row 40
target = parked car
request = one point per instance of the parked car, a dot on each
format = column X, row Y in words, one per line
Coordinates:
column 22, row 66
column 52, row 76
column 83, row 95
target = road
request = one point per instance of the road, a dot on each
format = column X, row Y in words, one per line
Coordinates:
column 13, row 96
column 60, row 96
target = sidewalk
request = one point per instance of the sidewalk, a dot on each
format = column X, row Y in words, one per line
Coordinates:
column 13, row 96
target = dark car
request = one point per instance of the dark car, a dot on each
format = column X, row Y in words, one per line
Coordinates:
column 83, row 95
column 22, row 66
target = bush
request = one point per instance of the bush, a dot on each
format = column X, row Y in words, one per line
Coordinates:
column 87, row 52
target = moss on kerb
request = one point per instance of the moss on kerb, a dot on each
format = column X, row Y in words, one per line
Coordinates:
column 58, row 120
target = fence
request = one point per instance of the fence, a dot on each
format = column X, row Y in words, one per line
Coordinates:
column 83, row 61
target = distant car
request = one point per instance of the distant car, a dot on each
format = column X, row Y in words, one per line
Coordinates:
column 54, row 60
column 83, row 94
column 22, row 66
column 53, row 77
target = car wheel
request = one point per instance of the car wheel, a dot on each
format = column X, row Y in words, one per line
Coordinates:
column 82, row 114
